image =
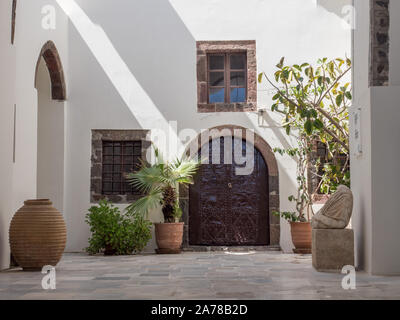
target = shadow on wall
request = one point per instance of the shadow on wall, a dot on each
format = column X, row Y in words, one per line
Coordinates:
column 118, row 74
column 337, row 7
column 161, row 63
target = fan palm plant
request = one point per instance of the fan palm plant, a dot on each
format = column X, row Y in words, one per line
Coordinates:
column 160, row 185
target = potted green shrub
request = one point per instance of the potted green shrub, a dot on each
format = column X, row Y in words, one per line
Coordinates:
column 160, row 183
column 115, row 233
column 300, row 226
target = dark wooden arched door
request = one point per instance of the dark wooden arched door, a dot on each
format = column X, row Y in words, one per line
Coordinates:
column 227, row 209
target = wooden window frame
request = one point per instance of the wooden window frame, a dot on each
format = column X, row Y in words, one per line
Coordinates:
column 206, row 47
column 227, row 75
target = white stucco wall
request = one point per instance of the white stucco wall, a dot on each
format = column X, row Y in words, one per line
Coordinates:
column 7, row 90
column 50, row 141
column 375, row 174
column 361, row 165
column 385, row 119
column 111, row 43
column 18, row 180
column 30, row 38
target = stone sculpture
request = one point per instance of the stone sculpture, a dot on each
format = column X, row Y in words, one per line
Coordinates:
column 332, row 244
column 336, row 213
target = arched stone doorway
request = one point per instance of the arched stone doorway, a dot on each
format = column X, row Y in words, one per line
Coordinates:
column 265, row 166
column 51, row 90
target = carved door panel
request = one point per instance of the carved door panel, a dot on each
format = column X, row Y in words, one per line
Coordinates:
column 227, row 208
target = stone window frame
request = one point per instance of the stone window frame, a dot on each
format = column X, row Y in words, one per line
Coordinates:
column 100, row 135
column 208, row 47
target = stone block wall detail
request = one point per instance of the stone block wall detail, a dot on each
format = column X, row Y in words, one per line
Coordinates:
column 98, row 136
column 206, row 47
column 379, row 42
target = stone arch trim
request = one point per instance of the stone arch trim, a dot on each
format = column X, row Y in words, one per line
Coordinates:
column 273, row 172
column 259, row 143
column 50, row 55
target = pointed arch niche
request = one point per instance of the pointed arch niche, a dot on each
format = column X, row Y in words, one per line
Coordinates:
column 51, row 93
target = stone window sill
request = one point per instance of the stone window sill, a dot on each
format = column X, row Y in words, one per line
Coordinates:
column 226, row 107
column 115, row 198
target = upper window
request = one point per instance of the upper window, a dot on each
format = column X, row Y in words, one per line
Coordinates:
column 227, row 78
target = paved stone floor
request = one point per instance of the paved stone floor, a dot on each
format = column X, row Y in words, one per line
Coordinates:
column 260, row 275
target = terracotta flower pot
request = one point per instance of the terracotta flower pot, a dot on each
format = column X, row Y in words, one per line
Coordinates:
column 37, row 235
column 169, row 237
column 301, row 236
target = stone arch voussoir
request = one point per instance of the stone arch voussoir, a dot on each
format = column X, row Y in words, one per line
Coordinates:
column 50, row 55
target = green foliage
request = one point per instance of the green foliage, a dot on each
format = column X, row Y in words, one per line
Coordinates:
column 114, row 231
column 303, row 199
column 333, row 177
column 160, row 182
column 315, row 103
column 289, row 216
column 177, row 212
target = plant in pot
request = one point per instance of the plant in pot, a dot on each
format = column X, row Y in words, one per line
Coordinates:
column 314, row 104
column 160, row 184
column 299, row 220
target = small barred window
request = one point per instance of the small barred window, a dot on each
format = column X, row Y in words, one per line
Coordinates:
column 119, row 158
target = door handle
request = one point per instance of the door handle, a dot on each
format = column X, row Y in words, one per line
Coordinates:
column 230, row 185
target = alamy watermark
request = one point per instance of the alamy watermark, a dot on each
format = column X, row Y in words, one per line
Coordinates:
column 49, row 280
column 49, row 17
column 210, row 146
column 349, row 17
column 349, row 280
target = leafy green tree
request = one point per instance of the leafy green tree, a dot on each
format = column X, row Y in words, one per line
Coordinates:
column 303, row 198
column 314, row 101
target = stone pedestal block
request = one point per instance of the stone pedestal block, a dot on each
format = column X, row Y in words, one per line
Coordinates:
column 332, row 249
